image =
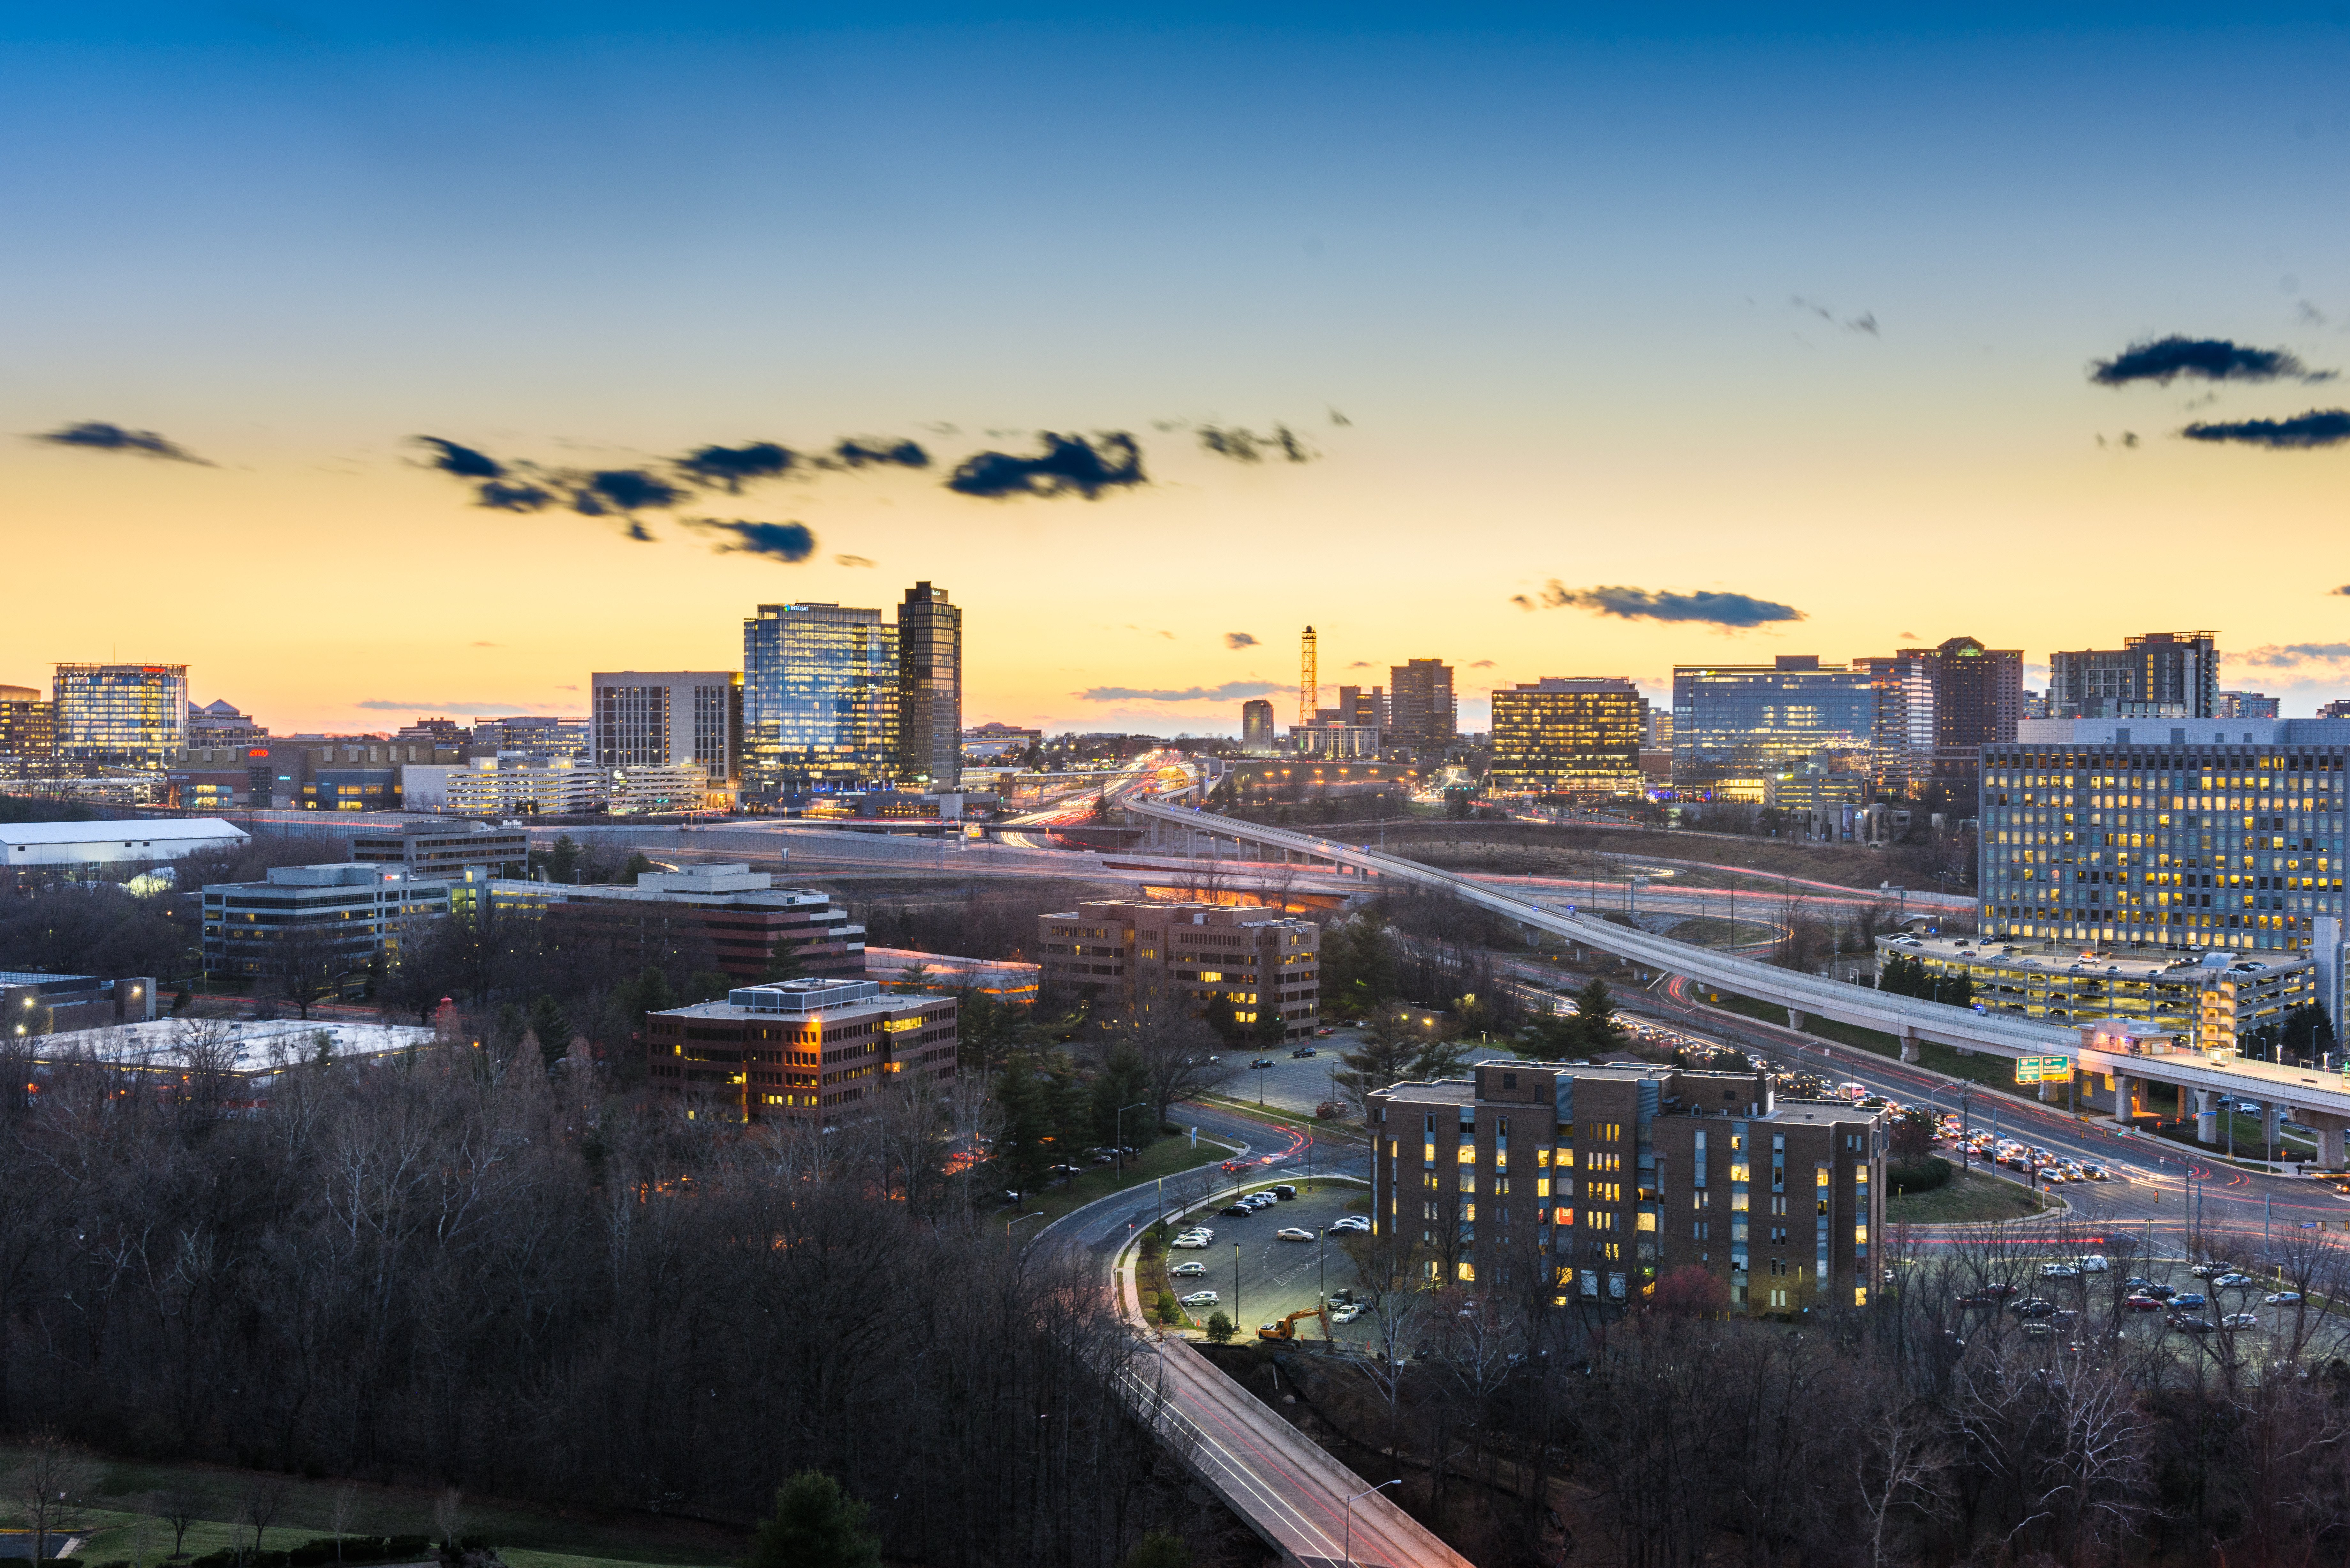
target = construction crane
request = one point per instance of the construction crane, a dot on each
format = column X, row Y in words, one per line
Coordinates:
column 1287, row 1327
column 1309, row 684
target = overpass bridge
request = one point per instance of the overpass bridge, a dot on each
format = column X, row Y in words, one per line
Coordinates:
column 2321, row 1101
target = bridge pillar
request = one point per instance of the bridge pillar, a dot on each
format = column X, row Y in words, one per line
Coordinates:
column 2330, row 1130
column 1908, row 1045
column 2271, row 1113
column 2125, row 1099
column 1795, row 1019
column 2207, row 1115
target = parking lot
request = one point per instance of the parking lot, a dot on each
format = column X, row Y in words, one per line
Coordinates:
column 1290, row 1084
column 2059, row 1301
column 1275, row 1277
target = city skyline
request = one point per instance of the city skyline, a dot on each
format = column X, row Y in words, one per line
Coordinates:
column 1603, row 351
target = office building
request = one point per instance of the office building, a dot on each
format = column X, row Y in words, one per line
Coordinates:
column 1423, row 714
column 819, row 1051
column 323, row 920
column 930, row 690
column 1367, row 709
column 1824, row 799
column 1660, row 730
column 819, row 698
column 35, row 1004
column 512, row 783
column 662, row 719
column 1255, row 959
column 28, row 733
column 444, row 733
column 995, row 742
column 126, row 715
column 1735, row 725
column 1560, row 736
column 2157, row 675
column 537, row 736
column 2077, row 982
column 447, row 850
column 221, row 723
column 304, row 773
column 2338, row 708
column 742, row 911
column 2257, row 705
column 1937, row 708
column 1608, row 1178
column 1334, row 738
column 2217, row 834
column 1256, row 728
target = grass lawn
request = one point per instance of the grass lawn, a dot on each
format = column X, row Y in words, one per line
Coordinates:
column 1967, row 1197
column 528, row 1536
column 1170, row 1155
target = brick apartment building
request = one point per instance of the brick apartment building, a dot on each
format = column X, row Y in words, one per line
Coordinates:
column 1254, row 957
column 1622, row 1174
column 813, row 1049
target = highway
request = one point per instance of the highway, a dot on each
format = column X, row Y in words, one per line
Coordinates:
column 1299, row 1501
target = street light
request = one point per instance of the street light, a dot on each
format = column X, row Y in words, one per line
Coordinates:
column 1117, row 1124
column 1021, row 1221
column 1346, row 1551
column 1236, row 1286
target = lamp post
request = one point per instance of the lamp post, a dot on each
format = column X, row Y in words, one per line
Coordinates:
column 1021, row 1221
column 1322, row 1281
column 1117, row 1125
column 1236, row 1287
column 1346, row 1551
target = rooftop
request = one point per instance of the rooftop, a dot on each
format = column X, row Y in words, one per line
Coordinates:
column 253, row 1047
column 803, row 999
column 2060, row 957
column 134, row 830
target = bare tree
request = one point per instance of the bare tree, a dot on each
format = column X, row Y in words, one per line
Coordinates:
column 308, row 965
column 1178, row 1051
column 50, row 1483
column 259, row 1505
column 449, row 1516
column 179, row 1507
column 342, row 1513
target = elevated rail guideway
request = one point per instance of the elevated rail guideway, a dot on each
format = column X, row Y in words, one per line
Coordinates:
column 2321, row 1100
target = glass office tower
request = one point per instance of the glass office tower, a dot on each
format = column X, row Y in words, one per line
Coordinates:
column 819, row 696
column 1752, row 721
column 126, row 715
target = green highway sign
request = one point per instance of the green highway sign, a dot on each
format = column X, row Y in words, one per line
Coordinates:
column 2043, row 1069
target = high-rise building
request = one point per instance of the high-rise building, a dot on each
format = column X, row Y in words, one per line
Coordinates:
column 2156, row 675
column 1736, row 725
column 1937, row 708
column 1605, row 1180
column 1560, row 736
column 1423, row 715
column 1256, row 727
column 2254, row 705
column 133, row 715
column 28, row 733
column 2217, row 834
column 654, row 719
column 930, row 690
column 819, row 696
column 540, row 736
column 2337, row 709
column 1660, row 730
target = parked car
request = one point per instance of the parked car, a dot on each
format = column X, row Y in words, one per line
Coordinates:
column 1262, row 1062
column 1236, row 1212
column 2039, row 1331
column 2232, row 1281
column 1303, row 1051
column 1190, row 1271
column 1202, row 1298
column 1188, row 1241
column 2136, row 1282
column 2192, row 1325
column 2240, row 1320
column 2283, row 1298
column 2096, row 1263
column 1345, row 1314
column 1284, row 1192
column 1352, row 1222
column 1294, row 1234
column 2193, row 1301
column 2205, row 1270
column 2141, row 1302
column 2160, row 1292
column 2059, row 1272
column 2033, row 1306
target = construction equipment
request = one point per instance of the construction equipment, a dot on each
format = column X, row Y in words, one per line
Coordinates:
column 1287, row 1327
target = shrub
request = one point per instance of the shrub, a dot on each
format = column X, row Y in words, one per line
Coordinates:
column 1220, row 1328
column 1918, row 1175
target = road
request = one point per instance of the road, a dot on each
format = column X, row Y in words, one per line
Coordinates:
column 1297, row 1498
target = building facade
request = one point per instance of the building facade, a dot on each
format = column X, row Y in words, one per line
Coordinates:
column 432, row 849
column 332, row 920
column 223, row 723
column 1608, row 1178
column 819, row 696
column 997, row 741
column 2156, row 675
column 28, row 733
column 930, row 690
column 1558, row 736
column 1937, row 708
column 1256, row 728
column 541, row 737
column 2222, row 834
column 128, row 715
column 512, row 783
column 2255, row 705
column 2069, row 983
column 667, row 718
column 742, row 911
column 302, row 773
column 1254, row 959
column 1423, row 714
column 813, row 1049
column 1738, row 724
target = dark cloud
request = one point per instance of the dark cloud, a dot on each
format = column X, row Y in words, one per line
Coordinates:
column 2342, row 592
column 1247, row 446
column 1705, row 606
column 463, row 461
column 2163, row 360
column 1068, row 464
column 637, row 532
column 1360, row 664
column 1225, row 693
column 880, row 451
column 2319, row 426
column 1483, row 664
column 1239, row 640
column 500, row 496
column 2276, row 656
column 853, row 561
column 623, row 489
column 729, row 467
column 97, row 435
column 1338, row 419
column 787, row 542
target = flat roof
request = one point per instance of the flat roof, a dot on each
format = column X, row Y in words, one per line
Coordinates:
column 2046, row 957
column 131, row 829
column 256, row 1045
column 887, row 1001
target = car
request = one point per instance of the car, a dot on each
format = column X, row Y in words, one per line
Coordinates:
column 2234, row 1282
column 2033, row 1306
column 1262, row 1062
column 2059, row 1272
column 1190, row 1271
column 2001, row 1289
column 2096, row 1263
column 1303, row 1051
column 1324, row 1032
column 2193, row 1301
column 2066, row 1315
column 2240, row 1320
column 1236, row 1212
column 1284, row 1192
column 2136, row 1282
column 2095, row 1172
column 1202, row 1298
column 1188, row 1242
column 2039, row 1331
column 1343, row 1296
column 1294, row 1234
column 2205, row 1270
column 2140, row 1303
column 2283, row 1298
column 1345, row 1314
column 2191, row 1325
column 1352, row 1222
column 2160, row 1292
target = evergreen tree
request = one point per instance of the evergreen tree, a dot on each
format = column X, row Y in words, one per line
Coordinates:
column 814, row 1525
column 552, row 1025
column 563, row 860
column 1596, row 1029
column 1122, row 1081
column 783, row 962
column 1222, row 1017
column 1270, row 1028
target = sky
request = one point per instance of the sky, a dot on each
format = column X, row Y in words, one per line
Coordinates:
column 1561, row 342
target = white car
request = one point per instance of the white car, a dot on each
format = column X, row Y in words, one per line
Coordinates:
column 1202, row 1298
column 1345, row 1314
column 1351, row 1222
column 1294, row 1234
column 1189, row 1271
column 1188, row 1241
column 2059, row 1272
column 2283, row 1298
column 2096, row 1263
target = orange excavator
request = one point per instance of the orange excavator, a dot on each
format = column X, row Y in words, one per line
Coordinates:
column 1287, row 1327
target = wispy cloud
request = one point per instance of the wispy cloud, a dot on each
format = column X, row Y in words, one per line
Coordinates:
column 2163, row 360
column 1247, row 446
column 1239, row 640
column 478, row 710
column 1705, row 606
column 2319, row 426
column 2285, row 656
column 852, row 561
column 1483, row 664
column 787, row 542
column 1228, row 691
column 97, row 435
